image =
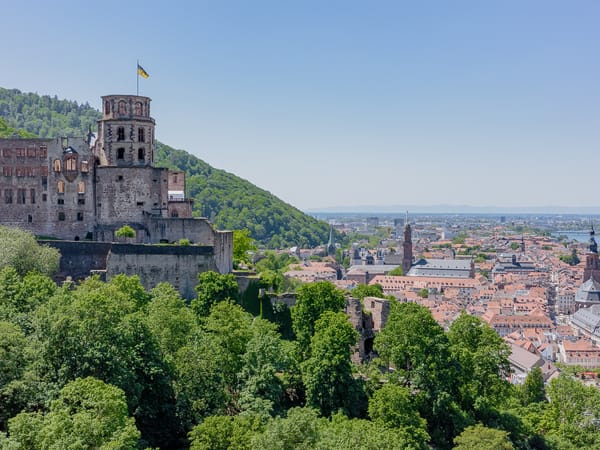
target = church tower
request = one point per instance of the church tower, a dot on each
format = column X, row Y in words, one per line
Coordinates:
column 407, row 258
column 592, row 264
column 125, row 132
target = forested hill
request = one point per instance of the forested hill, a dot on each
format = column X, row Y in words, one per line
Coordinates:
column 227, row 200
column 10, row 132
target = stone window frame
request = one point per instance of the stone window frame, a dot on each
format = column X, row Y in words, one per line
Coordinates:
column 121, row 153
column 60, row 187
column 71, row 163
column 8, row 196
column 141, row 134
column 57, row 165
column 120, row 134
column 21, row 196
column 61, row 216
column 32, row 196
column 141, row 154
column 81, row 187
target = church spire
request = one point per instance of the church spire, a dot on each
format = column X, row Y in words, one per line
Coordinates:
column 593, row 244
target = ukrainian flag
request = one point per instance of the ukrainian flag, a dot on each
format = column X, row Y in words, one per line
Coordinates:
column 141, row 72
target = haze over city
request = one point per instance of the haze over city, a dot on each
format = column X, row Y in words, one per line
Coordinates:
column 343, row 103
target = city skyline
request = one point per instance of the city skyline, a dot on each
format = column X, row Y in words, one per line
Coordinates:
column 345, row 103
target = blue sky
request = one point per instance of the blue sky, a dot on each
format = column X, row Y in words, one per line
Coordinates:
column 343, row 103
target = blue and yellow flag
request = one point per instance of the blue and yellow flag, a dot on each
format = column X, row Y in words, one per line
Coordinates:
column 142, row 72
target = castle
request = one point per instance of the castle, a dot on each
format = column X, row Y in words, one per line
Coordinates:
column 86, row 189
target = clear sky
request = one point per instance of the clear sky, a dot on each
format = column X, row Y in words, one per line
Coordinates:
column 342, row 103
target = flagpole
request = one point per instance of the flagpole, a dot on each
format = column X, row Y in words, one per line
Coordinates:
column 137, row 79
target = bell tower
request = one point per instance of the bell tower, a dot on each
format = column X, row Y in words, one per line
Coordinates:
column 407, row 257
column 125, row 132
column 592, row 264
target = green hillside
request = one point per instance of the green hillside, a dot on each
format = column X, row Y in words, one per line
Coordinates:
column 227, row 200
column 10, row 132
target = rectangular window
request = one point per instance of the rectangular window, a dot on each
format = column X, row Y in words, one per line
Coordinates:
column 8, row 196
column 61, row 201
column 43, row 151
column 57, row 165
column 20, row 152
column 7, row 152
column 84, row 167
column 81, row 187
column 20, row 171
column 141, row 135
column 31, row 152
column 81, row 201
column 80, row 216
column 31, row 171
column 61, row 216
column 43, row 171
column 44, row 197
column 121, row 134
column 21, row 196
column 7, row 171
column 44, row 183
column 32, row 196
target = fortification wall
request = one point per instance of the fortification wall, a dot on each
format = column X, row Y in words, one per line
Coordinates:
column 178, row 265
column 79, row 258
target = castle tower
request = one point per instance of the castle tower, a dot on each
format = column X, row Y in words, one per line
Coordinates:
column 407, row 258
column 125, row 132
column 592, row 264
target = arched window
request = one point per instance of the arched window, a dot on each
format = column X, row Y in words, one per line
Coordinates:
column 138, row 108
column 107, row 107
column 57, row 165
column 122, row 107
column 71, row 164
column 81, row 187
column 60, row 187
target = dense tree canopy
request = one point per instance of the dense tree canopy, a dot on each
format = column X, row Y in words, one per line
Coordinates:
column 312, row 300
column 20, row 250
column 109, row 365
